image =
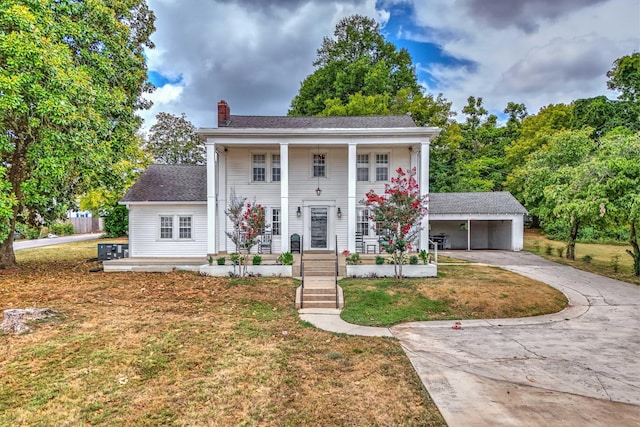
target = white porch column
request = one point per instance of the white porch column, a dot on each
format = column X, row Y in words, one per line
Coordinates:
column 351, row 198
column 468, row 234
column 284, row 197
column 424, row 190
column 517, row 236
column 212, row 247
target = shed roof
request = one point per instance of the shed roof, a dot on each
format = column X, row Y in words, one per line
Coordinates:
column 313, row 122
column 499, row 202
column 169, row 183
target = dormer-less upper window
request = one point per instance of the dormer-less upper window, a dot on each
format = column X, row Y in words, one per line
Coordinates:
column 319, row 165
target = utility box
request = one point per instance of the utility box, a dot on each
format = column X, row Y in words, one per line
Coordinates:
column 109, row 251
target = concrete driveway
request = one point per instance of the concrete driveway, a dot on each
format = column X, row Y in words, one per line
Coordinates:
column 580, row 367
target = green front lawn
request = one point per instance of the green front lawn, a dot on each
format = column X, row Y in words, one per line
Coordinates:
column 459, row 292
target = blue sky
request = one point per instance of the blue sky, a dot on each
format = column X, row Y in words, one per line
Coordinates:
column 255, row 53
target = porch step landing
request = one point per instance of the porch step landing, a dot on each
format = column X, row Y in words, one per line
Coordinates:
column 320, row 290
column 319, row 293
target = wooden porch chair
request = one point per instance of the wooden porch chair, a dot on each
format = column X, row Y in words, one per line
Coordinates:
column 359, row 242
column 265, row 243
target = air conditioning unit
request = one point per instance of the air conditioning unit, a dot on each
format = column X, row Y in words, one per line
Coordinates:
column 109, row 251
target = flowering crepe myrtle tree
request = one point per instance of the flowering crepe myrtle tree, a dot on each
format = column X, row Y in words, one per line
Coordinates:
column 398, row 214
column 248, row 224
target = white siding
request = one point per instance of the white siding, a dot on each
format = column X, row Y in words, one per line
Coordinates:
column 144, row 227
column 302, row 185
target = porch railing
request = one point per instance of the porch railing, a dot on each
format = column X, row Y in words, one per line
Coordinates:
column 336, row 273
column 302, row 286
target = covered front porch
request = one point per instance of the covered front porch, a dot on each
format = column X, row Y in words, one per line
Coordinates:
column 324, row 211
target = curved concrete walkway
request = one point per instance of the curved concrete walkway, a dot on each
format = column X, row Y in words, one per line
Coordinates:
column 579, row 367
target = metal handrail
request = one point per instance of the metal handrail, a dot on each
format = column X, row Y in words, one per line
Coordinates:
column 302, row 286
column 336, row 274
column 301, row 245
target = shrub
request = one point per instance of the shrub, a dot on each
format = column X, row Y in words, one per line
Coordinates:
column 221, row 260
column 285, row 258
column 424, row 256
column 401, row 260
column 116, row 222
column 379, row 260
column 27, row 231
column 235, row 258
column 587, row 258
column 548, row 249
column 257, row 260
column 560, row 251
column 536, row 246
column 61, row 228
column 413, row 260
column 210, row 260
column 615, row 263
column 353, row 258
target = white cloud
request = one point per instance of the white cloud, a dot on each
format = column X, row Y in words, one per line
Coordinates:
column 254, row 54
column 564, row 59
column 164, row 98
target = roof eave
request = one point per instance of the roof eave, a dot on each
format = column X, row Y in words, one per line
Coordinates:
column 161, row 202
column 230, row 132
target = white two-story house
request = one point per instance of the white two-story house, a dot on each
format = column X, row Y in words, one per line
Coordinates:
column 310, row 174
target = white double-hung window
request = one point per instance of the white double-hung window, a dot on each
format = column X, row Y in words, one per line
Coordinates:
column 166, row 227
column 319, row 165
column 362, row 167
column 176, row 227
column 362, row 224
column 265, row 167
column 259, row 168
column 275, row 221
column 382, row 167
column 275, row 168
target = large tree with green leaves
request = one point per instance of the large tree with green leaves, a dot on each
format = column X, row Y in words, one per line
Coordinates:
column 616, row 172
column 71, row 77
column 356, row 61
column 559, row 185
column 173, row 140
column 624, row 77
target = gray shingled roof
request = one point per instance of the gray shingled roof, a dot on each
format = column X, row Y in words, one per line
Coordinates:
column 500, row 202
column 296, row 122
column 178, row 183
column 169, row 183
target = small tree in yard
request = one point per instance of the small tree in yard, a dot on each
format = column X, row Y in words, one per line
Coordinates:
column 398, row 214
column 248, row 223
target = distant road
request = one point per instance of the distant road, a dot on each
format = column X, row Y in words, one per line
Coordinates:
column 50, row 241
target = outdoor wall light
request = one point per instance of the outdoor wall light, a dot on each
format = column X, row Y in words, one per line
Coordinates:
column 339, row 213
column 298, row 212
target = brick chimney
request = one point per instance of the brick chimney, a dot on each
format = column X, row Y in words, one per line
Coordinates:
column 224, row 113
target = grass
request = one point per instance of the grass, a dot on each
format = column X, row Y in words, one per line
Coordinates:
column 459, row 292
column 602, row 258
column 170, row 349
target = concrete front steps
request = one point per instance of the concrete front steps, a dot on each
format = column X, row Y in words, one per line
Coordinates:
column 320, row 290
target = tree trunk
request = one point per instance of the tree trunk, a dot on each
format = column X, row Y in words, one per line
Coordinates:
column 635, row 244
column 17, row 173
column 573, row 235
column 7, row 256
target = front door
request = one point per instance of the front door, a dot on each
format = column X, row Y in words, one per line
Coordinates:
column 319, row 217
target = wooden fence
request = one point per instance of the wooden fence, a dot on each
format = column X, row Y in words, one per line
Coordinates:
column 87, row 225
